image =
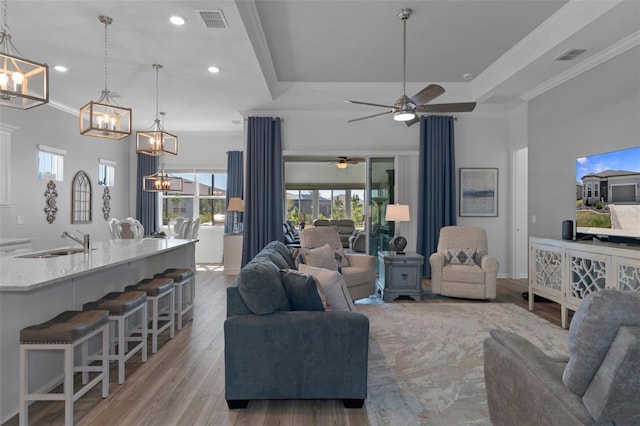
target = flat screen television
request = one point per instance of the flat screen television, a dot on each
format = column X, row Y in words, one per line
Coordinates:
column 608, row 196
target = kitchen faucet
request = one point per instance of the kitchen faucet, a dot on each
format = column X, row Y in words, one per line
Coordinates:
column 85, row 242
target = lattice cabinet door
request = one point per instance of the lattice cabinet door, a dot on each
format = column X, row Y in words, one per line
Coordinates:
column 585, row 272
column 545, row 277
column 627, row 273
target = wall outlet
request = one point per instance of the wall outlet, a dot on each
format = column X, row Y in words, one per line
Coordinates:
column 533, row 218
column 20, row 220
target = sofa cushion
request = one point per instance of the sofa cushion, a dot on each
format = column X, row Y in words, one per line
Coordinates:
column 354, row 275
column 464, row 274
column 302, row 291
column 261, row 288
column 592, row 331
column 274, row 256
column 462, row 256
column 333, row 287
column 320, row 257
column 284, row 252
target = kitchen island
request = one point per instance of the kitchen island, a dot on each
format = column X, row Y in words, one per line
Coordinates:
column 35, row 289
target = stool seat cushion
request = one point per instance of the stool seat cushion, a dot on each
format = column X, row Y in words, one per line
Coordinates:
column 152, row 286
column 176, row 274
column 65, row 328
column 118, row 302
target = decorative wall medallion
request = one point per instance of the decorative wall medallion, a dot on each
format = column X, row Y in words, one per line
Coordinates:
column 106, row 203
column 51, row 196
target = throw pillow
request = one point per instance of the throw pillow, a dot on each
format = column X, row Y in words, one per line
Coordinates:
column 302, row 291
column 333, row 287
column 463, row 256
column 261, row 289
column 320, row 257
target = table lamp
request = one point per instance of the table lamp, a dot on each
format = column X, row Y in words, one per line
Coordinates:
column 235, row 205
column 397, row 213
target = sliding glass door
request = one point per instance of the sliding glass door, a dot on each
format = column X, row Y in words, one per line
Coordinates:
column 380, row 187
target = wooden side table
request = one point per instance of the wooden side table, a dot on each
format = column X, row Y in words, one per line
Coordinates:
column 399, row 275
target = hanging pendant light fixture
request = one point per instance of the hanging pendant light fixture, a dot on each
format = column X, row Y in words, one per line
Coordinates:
column 104, row 118
column 156, row 141
column 162, row 182
column 24, row 84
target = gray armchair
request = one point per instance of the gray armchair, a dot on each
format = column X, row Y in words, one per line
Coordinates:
column 598, row 384
column 451, row 277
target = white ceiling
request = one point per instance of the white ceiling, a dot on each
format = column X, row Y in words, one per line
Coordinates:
column 310, row 55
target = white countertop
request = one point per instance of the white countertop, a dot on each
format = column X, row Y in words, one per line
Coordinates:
column 20, row 274
column 10, row 241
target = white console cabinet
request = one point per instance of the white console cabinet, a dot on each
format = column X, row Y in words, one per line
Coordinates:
column 232, row 253
column 566, row 271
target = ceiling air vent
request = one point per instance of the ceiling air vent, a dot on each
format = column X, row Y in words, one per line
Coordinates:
column 570, row 54
column 213, row 19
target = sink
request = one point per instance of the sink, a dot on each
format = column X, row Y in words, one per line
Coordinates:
column 52, row 253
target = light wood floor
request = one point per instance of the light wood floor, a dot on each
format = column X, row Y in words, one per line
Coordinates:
column 183, row 383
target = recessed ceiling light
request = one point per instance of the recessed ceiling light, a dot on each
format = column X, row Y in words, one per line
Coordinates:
column 213, row 69
column 467, row 76
column 177, row 20
column 61, row 68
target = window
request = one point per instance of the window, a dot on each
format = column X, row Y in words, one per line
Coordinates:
column 50, row 163
column 203, row 196
column 106, row 172
column 589, row 189
column 305, row 205
column 596, row 186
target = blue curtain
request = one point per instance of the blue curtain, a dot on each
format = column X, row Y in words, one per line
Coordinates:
column 263, row 202
column 235, row 185
column 146, row 202
column 436, row 184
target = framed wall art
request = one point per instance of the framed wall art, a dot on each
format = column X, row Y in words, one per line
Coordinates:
column 478, row 192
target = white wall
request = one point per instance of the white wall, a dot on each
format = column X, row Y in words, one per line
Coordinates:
column 49, row 126
column 598, row 111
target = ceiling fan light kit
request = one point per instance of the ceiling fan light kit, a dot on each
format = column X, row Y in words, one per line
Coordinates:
column 405, row 109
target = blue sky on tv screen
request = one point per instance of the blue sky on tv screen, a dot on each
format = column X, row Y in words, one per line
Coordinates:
column 626, row 159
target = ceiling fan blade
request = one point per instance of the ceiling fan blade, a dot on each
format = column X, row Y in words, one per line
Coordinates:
column 427, row 94
column 368, row 103
column 454, row 107
column 370, row 116
column 410, row 123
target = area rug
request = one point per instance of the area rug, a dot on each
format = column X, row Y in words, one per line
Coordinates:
column 425, row 359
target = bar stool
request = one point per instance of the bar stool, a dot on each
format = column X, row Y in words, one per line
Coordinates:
column 64, row 333
column 184, row 281
column 122, row 306
column 157, row 289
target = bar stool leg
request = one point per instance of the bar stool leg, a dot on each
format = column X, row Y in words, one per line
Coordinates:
column 24, row 387
column 180, row 289
column 154, row 325
column 105, row 362
column 122, row 346
column 68, row 383
column 145, row 331
column 172, row 313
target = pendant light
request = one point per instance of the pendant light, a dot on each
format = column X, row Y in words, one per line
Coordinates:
column 161, row 181
column 24, row 84
column 104, row 118
column 156, row 141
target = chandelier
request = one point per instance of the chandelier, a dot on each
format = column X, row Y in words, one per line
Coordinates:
column 24, row 84
column 162, row 182
column 104, row 118
column 156, row 141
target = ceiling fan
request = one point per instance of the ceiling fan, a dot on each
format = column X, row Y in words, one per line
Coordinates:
column 406, row 108
column 343, row 162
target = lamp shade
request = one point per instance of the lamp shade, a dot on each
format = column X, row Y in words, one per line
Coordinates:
column 235, row 205
column 397, row 213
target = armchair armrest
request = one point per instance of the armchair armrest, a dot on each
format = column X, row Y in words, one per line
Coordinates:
column 490, row 265
column 437, row 261
column 524, row 386
column 361, row 260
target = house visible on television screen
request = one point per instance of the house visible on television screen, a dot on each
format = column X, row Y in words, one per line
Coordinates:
column 611, row 186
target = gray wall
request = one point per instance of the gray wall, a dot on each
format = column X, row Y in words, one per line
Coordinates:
column 49, row 126
column 596, row 112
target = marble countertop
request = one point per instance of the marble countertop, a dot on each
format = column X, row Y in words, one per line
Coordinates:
column 23, row 274
column 10, row 241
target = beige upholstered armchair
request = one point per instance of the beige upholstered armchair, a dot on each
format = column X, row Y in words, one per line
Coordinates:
column 462, row 266
column 360, row 275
